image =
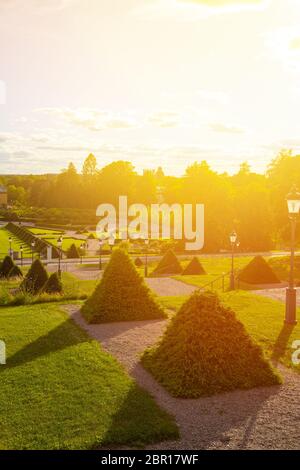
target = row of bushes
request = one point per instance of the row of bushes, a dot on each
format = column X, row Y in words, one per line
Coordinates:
column 28, row 237
column 169, row 264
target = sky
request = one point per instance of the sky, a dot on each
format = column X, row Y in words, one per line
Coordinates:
column 155, row 82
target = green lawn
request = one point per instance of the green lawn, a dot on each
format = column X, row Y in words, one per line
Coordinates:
column 42, row 232
column 59, row 390
column 73, row 289
column 263, row 318
column 215, row 268
column 281, row 266
column 16, row 243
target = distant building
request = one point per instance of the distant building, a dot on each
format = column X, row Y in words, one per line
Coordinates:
column 3, row 196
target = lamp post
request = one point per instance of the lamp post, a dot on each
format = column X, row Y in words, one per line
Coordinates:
column 233, row 240
column 59, row 244
column 111, row 242
column 100, row 253
column 293, row 202
column 32, row 249
column 21, row 251
column 10, row 242
column 146, row 252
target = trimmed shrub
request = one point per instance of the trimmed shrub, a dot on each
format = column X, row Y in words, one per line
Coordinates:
column 169, row 264
column 73, row 252
column 53, row 285
column 194, row 267
column 15, row 272
column 121, row 295
column 6, row 266
column 91, row 236
column 138, row 262
column 258, row 271
column 206, row 350
column 36, row 278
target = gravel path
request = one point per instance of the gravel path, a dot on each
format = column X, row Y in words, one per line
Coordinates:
column 262, row 418
column 161, row 286
column 167, row 286
column 84, row 274
column 276, row 294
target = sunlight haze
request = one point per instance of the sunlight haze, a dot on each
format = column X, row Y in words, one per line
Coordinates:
column 156, row 82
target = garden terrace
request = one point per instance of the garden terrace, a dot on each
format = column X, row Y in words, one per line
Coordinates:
column 27, row 237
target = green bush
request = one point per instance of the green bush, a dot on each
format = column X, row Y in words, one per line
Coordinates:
column 6, row 266
column 258, row 271
column 91, row 236
column 169, row 264
column 121, row 295
column 206, row 350
column 194, row 267
column 9, row 269
column 35, row 279
column 73, row 252
column 15, row 272
column 53, row 285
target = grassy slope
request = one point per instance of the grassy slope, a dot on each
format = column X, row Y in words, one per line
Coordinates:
column 60, row 390
column 263, row 318
column 16, row 243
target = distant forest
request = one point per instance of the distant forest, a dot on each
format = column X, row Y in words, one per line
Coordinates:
column 252, row 204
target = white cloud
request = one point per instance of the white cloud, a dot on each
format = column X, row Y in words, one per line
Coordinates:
column 91, row 119
column 226, row 128
column 164, row 119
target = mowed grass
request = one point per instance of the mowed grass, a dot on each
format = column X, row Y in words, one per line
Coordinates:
column 59, row 390
column 16, row 243
column 215, row 267
column 73, row 289
column 67, row 242
column 263, row 319
column 42, row 232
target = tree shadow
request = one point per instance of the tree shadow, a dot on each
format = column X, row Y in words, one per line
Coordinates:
column 139, row 421
column 281, row 342
column 202, row 422
column 61, row 337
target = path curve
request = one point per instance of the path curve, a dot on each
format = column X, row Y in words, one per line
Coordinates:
column 277, row 294
column 262, row 418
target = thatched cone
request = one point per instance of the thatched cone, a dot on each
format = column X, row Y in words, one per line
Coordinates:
column 121, row 295
column 194, row 267
column 258, row 271
column 8, row 269
column 206, row 350
column 35, row 278
column 169, row 264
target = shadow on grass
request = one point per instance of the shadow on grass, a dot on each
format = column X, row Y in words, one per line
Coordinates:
column 59, row 338
column 202, row 422
column 139, row 421
column 282, row 342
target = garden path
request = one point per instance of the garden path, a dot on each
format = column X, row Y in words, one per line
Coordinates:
column 262, row 418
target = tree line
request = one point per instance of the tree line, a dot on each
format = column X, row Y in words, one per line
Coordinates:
column 252, row 204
